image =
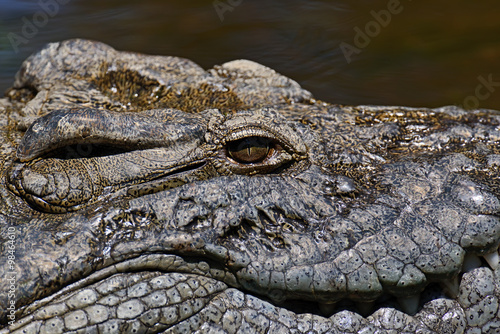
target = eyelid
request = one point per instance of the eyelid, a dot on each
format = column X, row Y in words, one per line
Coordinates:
column 259, row 122
column 254, row 131
column 247, row 131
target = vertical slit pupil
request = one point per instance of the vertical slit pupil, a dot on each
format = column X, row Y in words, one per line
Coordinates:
column 250, row 149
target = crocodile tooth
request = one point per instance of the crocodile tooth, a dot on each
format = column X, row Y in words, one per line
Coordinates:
column 409, row 304
column 471, row 262
column 493, row 260
column 451, row 287
column 365, row 308
column 327, row 308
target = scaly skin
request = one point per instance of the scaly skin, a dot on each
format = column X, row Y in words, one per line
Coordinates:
column 149, row 195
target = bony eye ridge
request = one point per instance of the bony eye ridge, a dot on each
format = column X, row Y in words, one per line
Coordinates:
column 250, row 149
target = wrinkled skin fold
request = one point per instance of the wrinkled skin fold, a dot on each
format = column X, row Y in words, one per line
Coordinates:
column 148, row 195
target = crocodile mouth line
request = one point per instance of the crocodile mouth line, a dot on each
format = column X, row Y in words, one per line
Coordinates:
column 172, row 263
column 412, row 304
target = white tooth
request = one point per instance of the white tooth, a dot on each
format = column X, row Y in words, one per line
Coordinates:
column 493, row 260
column 365, row 308
column 471, row 262
column 409, row 304
column 451, row 287
column 327, row 308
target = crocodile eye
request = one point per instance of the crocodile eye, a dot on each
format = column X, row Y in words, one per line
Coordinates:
column 250, row 150
column 254, row 142
column 257, row 154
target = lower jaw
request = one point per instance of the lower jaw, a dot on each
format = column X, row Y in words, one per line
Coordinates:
column 124, row 297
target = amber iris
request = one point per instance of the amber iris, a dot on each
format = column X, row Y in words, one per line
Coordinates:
column 249, row 150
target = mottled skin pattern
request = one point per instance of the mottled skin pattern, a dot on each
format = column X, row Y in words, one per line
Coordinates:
column 149, row 195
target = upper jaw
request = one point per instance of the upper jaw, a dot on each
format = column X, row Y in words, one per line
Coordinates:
column 307, row 249
column 293, row 236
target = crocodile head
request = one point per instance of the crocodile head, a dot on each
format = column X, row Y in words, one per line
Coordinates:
column 144, row 194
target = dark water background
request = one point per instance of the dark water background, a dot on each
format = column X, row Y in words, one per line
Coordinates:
column 431, row 53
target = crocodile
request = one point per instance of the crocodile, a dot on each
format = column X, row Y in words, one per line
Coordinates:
column 144, row 194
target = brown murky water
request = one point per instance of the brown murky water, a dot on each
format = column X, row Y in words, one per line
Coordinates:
column 415, row 53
